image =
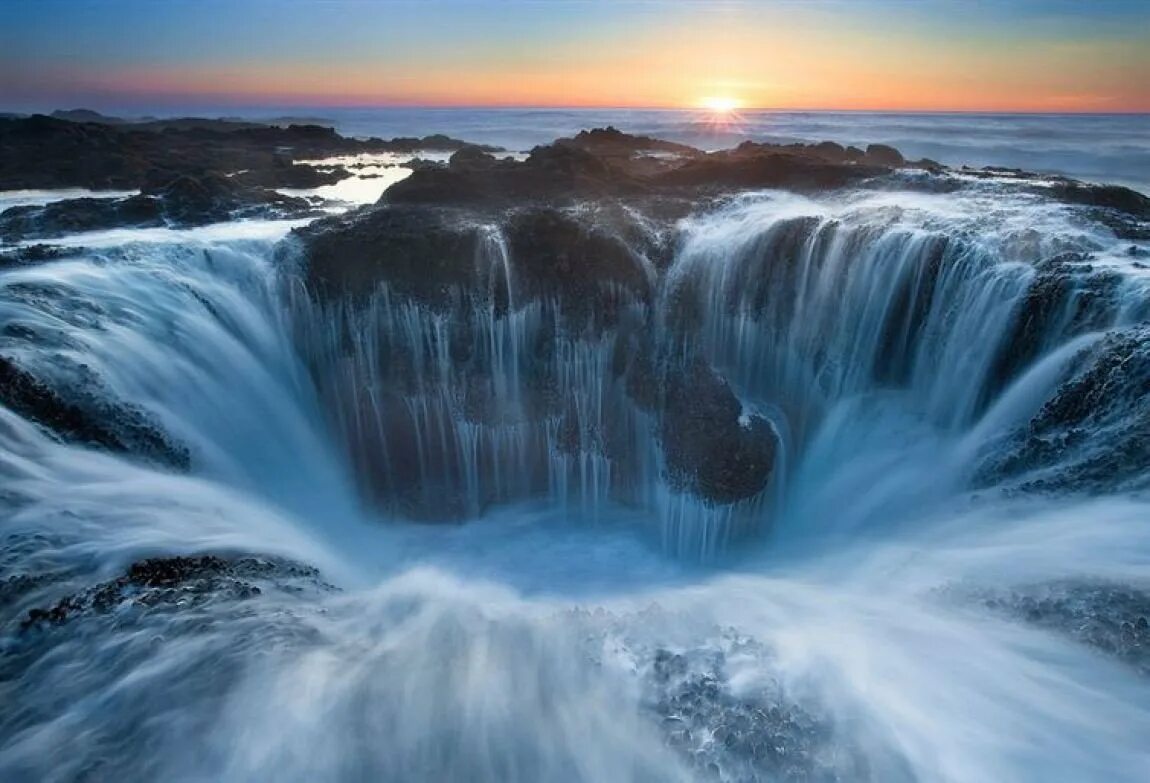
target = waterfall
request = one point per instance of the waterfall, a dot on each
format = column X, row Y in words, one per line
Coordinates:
column 821, row 316
column 943, row 578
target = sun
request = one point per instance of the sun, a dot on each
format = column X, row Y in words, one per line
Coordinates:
column 720, row 114
column 720, row 104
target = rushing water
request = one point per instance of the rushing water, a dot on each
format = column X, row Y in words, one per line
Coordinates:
column 869, row 622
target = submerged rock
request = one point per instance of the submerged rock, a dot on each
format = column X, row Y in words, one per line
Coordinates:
column 176, row 583
column 1093, row 434
column 758, row 736
column 1110, row 617
column 88, row 417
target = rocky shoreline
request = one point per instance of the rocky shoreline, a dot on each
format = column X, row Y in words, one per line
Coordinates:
column 575, row 237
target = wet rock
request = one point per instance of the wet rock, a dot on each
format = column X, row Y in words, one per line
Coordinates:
column 606, row 162
column 436, row 142
column 712, row 447
column 425, row 254
column 554, row 173
column 1126, row 212
column 176, row 583
column 1094, row 433
column 884, row 155
column 77, row 215
column 35, row 254
column 1067, row 298
column 1110, row 617
column 589, row 273
column 612, row 141
column 766, row 166
column 186, row 200
column 195, row 200
column 1114, row 197
column 423, row 164
column 472, row 158
column 45, row 152
column 88, row 417
column 759, row 736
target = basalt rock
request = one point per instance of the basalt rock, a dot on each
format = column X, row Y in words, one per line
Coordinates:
column 186, row 200
column 712, row 446
column 1115, row 197
column 612, row 141
column 884, row 155
column 1126, row 212
column 472, row 158
column 72, row 216
column 425, row 254
column 45, row 152
column 1112, row 618
column 590, row 273
column 1094, row 433
column 429, row 254
column 556, row 174
column 1067, row 298
column 184, row 583
column 23, row 255
column 87, row 417
column 210, row 198
column 753, row 167
column 725, row 734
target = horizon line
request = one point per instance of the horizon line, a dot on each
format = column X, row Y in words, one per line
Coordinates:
column 606, row 107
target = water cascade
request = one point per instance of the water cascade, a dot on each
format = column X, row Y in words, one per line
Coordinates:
column 943, row 579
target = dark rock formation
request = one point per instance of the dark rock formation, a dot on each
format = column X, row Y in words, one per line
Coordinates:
column 555, row 173
column 1068, row 297
column 556, row 256
column 766, row 166
column 712, row 447
column 44, row 152
column 76, row 215
column 423, row 253
column 86, row 115
column 587, row 224
column 88, row 417
column 1094, row 433
column 166, row 584
column 34, row 254
column 1115, row 197
column 884, row 155
column 185, row 200
column 1126, row 212
column 757, row 736
column 608, row 163
column 612, row 142
column 190, row 200
column 1109, row 617
column 472, row 158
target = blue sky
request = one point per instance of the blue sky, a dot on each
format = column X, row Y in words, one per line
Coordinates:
column 931, row 54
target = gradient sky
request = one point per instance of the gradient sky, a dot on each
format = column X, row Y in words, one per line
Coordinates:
column 992, row 55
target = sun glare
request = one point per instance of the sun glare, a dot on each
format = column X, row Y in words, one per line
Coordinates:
column 720, row 105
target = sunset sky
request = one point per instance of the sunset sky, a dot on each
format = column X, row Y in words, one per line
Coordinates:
column 993, row 55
